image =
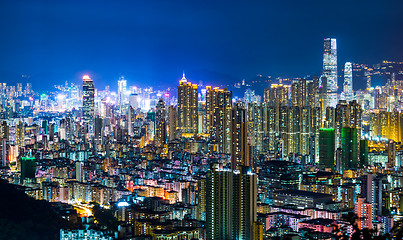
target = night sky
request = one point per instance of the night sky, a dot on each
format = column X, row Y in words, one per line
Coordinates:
column 152, row 42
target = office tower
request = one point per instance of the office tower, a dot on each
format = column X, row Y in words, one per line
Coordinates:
column 239, row 144
column 330, row 69
column 363, row 210
column 218, row 117
column 230, row 203
column 28, row 167
column 348, row 82
column 326, row 147
column 187, row 108
column 172, row 116
column 349, row 148
column 88, row 102
column 122, row 88
column 160, row 124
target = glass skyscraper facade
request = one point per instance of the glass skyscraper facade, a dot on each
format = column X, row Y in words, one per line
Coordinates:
column 88, row 101
column 348, row 82
column 330, row 70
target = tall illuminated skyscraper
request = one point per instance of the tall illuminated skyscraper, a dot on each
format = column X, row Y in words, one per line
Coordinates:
column 122, row 88
column 298, row 93
column 218, row 117
column 348, row 82
column 255, row 127
column 172, row 120
column 239, row 146
column 19, row 134
column 88, row 101
column 188, row 114
column 330, row 70
column 349, row 148
column 230, row 203
column 160, row 124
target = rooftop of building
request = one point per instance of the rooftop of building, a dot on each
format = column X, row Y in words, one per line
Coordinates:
column 303, row 193
column 319, row 221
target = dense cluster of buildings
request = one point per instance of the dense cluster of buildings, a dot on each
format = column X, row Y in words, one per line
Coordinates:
column 295, row 162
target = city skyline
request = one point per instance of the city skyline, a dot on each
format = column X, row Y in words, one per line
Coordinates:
column 203, row 121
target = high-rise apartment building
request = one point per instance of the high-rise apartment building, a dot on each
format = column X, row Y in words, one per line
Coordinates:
column 299, row 93
column 363, row 210
column 230, row 203
column 277, row 95
column 269, row 126
column 239, row 143
column 326, row 147
column 255, row 126
column 218, row 117
column 188, row 114
column 349, row 148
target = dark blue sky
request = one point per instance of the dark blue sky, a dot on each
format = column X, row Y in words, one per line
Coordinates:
column 152, row 42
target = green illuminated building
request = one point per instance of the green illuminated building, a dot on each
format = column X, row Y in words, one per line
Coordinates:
column 326, row 147
column 28, row 167
column 349, row 148
column 363, row 153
